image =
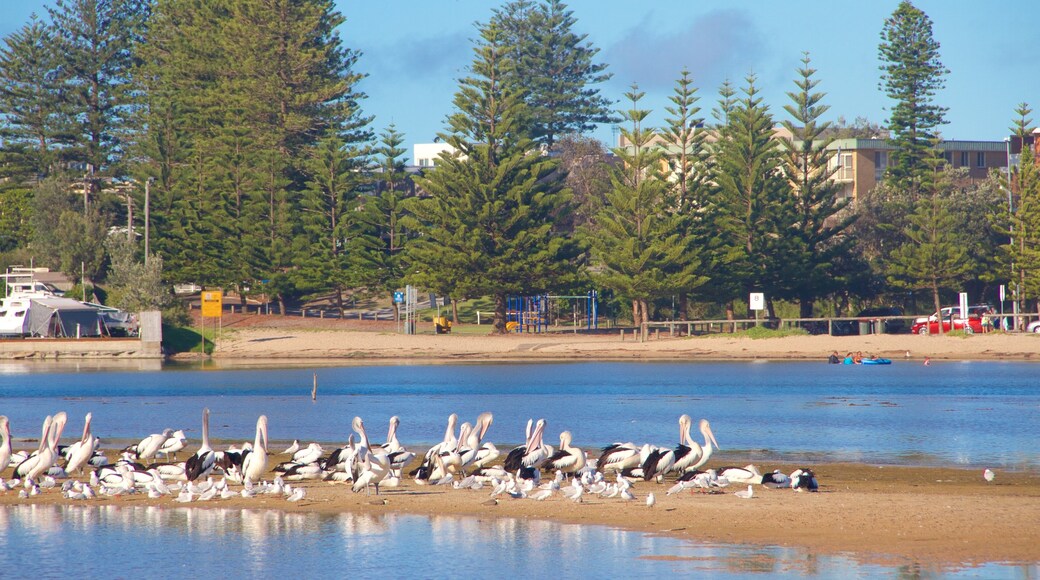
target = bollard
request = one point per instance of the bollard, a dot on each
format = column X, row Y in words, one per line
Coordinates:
column 303, row 313
column 657, row 334
column 359, row 315
column 622, row 335
column 321, row 314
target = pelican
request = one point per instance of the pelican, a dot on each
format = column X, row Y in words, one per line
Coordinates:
column 47, row 454
column 81, row 451
column 705, row 454
column 172, row 445
column 202, row 462
column 514, row 456
column 309, row 454
column 255, row 462
column 392, row 444
column 151, row 444
column 804, row 479
column 568, row 459
column 375, row 461
column 449, row 442
column 537, row 451
column 5, row 442
column 473, row 451
column 619, row 457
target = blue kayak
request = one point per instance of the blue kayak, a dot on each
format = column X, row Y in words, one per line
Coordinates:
column 877, row 361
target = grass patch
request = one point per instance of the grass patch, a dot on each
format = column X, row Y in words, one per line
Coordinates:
column 177, row 339
column 757, row 332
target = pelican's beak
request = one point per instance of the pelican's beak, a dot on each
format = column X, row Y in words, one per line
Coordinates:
column 710, row 435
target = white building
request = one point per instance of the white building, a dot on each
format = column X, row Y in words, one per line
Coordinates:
column 426, row 154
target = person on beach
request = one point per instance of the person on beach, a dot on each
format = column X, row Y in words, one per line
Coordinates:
column 834, row 358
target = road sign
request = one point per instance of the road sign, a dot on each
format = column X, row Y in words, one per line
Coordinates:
column 758, row 301
column 212, row 303
column 398, row 297
column 964, row 305
column 1003, row 290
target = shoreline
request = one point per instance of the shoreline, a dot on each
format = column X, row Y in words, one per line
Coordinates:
column 276, row 340
column 941, row 516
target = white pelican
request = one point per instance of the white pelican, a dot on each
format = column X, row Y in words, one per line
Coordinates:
column 472, row 449
column 5, row 442
column 47, row 454
column 537, row 451
column 513, row 458
column 255, row 462
column 746, row 474
column 309, row 454
column 568, row 459
column 709, row 439
column 804, row 479
column 392, row 444
column 618, row 457
column 202, row 462
column 175, row 443
column 148, row 446
column 374, row 458
column 81, row 451
column 449, row 441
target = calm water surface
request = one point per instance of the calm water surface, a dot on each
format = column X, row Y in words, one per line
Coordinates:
column 154, row 542
column 959, row 413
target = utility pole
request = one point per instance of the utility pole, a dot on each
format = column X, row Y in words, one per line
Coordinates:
column 147, row 220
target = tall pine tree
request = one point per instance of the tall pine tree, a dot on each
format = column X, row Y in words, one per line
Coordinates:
column 488, row 225
column 816, row 196
column 911, row 75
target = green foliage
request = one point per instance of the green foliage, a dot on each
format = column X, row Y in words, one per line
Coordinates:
column 134, row 286
column 488, row 225
column 179, row 338
column 819, row 228
column 761, row 332
column 911, row 75
column 935, row 256
column 640, row 246
column 553, row 67
column 754, row 211
column 1024, row 247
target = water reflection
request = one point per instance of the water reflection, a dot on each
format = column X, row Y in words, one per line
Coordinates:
column 159, row 541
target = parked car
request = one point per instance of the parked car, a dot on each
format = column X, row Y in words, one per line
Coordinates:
column 867, row 317
column 977, row 321
column 1034, row 326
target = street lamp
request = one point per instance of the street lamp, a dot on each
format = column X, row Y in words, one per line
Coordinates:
column 147, row 220
column 1011, row 231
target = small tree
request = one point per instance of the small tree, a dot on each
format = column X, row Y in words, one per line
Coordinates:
column 132, row 285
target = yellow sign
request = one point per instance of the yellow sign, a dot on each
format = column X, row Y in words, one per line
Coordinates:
column 212, row 303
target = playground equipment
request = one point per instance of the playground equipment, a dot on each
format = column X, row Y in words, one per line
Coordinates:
column 535, row 314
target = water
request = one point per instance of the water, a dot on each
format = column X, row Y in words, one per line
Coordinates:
column 979, row 413
column 187, row 542
column 966, row 414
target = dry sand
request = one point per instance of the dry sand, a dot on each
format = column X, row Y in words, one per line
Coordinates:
column 892, row 515
column 256, row 339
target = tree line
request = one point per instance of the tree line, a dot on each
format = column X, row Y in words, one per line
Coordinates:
column 242, row 120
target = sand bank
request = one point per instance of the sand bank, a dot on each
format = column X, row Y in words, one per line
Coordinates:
column 880, row 514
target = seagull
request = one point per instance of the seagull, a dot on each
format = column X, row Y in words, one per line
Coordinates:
column 297, row 494
column 293, row 448
column 650, row 500
column 988, row 475
column 750, row 493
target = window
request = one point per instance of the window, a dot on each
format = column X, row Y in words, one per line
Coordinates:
column 948, row 156
column 980, row 159
column 880, row 164
column 964, row 158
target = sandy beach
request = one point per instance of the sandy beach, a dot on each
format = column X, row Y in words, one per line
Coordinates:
column 879, row 514
column 261, row 339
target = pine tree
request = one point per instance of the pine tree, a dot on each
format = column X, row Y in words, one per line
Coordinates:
column 935, row 257
column 911, row 75
column 640, row 247
column 1024, row 243
column 816, row 196
column 385, row 217
column 687, row 158
column 754, row 216
column 489, row 221
column 329, row 255
column 96, row 39
column 30, row 100
column 554, row 67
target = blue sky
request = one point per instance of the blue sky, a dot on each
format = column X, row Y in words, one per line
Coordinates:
column 414, row 52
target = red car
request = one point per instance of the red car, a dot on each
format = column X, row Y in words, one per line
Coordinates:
column 951, row 320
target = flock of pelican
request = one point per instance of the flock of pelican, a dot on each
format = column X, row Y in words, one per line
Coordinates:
column 461, row 461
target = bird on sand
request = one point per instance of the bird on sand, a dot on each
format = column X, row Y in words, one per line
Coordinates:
column 988, row 475
column 650, row 500
column 750, row 493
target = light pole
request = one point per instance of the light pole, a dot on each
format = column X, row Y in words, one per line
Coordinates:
column 1011, row 230
column 147, row 220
